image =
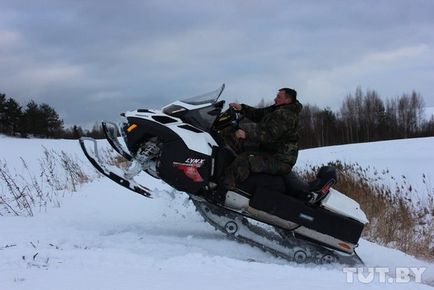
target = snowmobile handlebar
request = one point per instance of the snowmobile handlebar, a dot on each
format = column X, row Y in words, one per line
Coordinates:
column 237, row 117
column 230, row 117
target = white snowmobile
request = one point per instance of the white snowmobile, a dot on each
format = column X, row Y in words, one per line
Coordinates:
column 293, row 219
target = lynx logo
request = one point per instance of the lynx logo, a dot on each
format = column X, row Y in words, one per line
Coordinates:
column 189, row 168
column 195, row 162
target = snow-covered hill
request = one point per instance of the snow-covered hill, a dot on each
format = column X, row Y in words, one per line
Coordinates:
column 395, row 163
column 106, row 237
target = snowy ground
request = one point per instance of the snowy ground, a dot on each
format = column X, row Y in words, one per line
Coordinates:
column 106, row 237
column 395, row 163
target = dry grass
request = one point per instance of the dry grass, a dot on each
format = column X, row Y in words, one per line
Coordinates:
column 62, row 170
column 394, row 220
column 21, row 192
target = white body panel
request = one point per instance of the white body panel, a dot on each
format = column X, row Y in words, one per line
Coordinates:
column 200, row 142
column 342, row 204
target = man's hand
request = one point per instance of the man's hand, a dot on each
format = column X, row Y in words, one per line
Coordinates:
column 240, row 134
column 235, row 106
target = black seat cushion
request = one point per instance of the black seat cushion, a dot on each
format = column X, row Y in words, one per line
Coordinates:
column 324, row 176
column 256, row 180
column 289, row 184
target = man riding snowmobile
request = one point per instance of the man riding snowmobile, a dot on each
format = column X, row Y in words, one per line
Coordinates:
column 268, row 146
column 276, row 137
column 180, row 144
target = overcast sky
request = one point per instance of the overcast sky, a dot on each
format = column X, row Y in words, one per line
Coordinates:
column 93, row 59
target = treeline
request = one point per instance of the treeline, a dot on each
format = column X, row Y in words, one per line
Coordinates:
column 37, row 120
column 365, row 117
column 76, row 132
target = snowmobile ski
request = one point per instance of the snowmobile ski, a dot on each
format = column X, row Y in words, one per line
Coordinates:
column 111, row 133
column 94, row 158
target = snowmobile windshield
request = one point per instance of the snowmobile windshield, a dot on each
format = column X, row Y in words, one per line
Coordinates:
column 207, row 98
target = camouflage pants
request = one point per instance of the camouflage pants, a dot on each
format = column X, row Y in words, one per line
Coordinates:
column 248, row 162
column 250, row 159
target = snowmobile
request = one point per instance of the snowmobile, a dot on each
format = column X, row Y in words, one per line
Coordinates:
column 305, row 222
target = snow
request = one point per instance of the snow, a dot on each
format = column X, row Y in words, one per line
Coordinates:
column 393, row 163
column 106, row 237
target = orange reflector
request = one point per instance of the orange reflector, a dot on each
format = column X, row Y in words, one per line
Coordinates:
column 132, row 127
column 345, row 246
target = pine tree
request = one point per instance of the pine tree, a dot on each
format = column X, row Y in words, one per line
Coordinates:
column 52, row 124
column 77, row 132
column 33, row 120
column 13, row 115
column 2, row 113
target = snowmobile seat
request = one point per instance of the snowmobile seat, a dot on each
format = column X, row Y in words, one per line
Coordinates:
column 294, row 184
column 268, row 181
column 297, row 187
column 289, row 184
column 325, row 176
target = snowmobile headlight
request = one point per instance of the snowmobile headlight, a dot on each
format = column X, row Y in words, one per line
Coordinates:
column 132, row 127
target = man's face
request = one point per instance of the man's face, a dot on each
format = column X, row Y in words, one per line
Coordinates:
column 282, row 98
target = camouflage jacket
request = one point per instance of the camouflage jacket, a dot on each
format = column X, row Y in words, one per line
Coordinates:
column 276, row 131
